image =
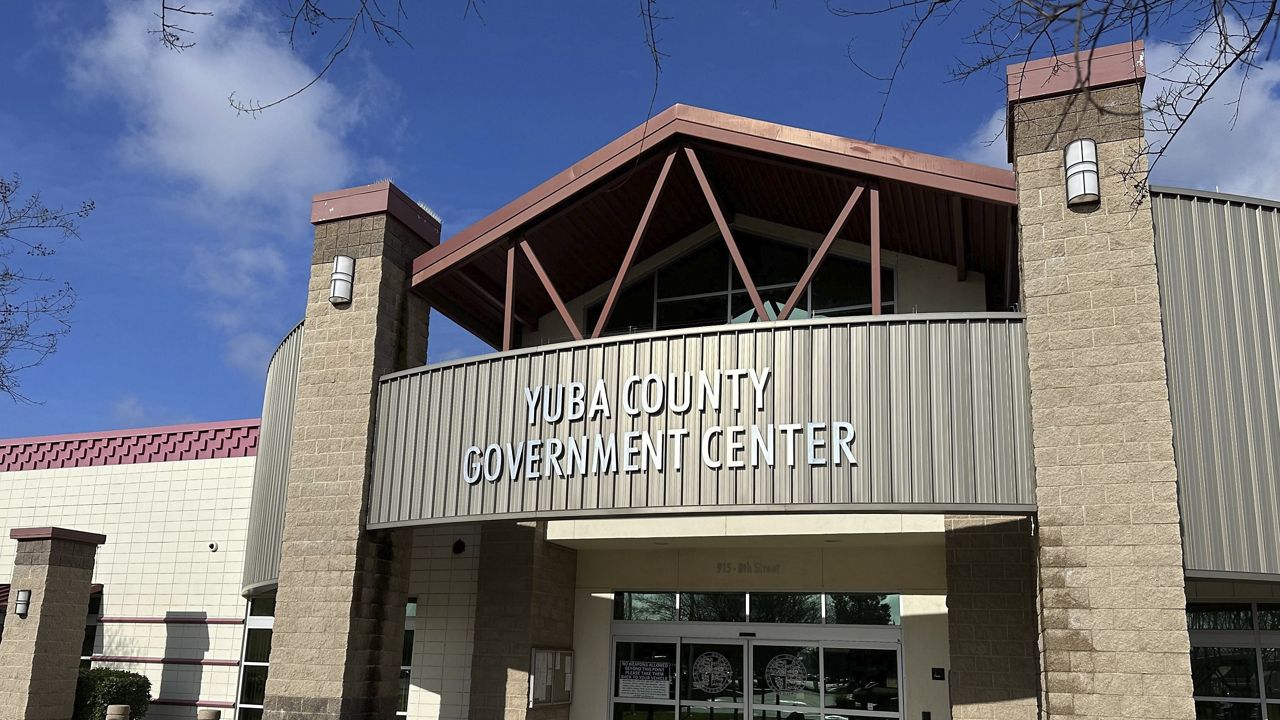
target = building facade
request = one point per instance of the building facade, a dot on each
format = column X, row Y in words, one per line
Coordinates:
column 778, row 425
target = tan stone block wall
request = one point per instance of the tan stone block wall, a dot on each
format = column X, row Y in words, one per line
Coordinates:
column 991, row 614
column 336, row 645
column 40, row 654
column 1113, row 627
column 524, row 599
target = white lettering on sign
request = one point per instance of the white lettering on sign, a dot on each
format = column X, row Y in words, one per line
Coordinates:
column 731, row 447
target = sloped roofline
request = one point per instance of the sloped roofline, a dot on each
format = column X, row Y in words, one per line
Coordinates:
column 881, row 161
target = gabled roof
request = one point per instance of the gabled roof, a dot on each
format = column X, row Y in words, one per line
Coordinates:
column 752, row 156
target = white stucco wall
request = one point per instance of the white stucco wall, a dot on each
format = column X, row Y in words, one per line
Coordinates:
column 159, row 519
column 444, row 629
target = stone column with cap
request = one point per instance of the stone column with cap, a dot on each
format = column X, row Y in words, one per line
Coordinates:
column 40, row 649
column 340, row 603
column 1113, row 625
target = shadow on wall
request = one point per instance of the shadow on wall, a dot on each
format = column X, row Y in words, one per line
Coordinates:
column 186, row 637
column 991, row 609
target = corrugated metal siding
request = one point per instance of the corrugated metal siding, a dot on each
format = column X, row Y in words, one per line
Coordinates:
column 1219, row 266
column 939, row 404
column 271, row 472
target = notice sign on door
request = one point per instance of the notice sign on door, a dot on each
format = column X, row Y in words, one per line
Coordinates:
column 644, row 680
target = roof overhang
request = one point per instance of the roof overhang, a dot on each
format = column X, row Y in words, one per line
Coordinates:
column 469, row 295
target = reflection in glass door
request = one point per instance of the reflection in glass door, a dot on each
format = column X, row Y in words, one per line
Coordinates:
column 754, row 679
column 711, row 679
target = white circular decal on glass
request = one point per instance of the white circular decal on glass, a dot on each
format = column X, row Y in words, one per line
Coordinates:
column 711, row 672
column 785, row 673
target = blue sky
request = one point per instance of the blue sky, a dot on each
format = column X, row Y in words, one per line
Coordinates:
column 194, row 263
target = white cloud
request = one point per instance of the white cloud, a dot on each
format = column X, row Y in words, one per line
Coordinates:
column 243, row 182
column 988, row 144
column 1209, row 153
column 128, row 411
column 251, row 351
column 175, row 104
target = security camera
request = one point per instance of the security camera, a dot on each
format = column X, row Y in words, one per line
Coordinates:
column 213, row 547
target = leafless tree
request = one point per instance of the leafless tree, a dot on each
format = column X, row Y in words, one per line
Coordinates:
column 34, row 309
column 171, row 34
column 1223, row 41
column 317, row 18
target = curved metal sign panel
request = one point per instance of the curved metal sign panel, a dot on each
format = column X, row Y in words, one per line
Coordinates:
column 913, row 413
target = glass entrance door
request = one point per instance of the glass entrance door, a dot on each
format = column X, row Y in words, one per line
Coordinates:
column 755, row 679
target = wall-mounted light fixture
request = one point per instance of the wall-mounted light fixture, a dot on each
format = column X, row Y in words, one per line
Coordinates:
column 1081, row 160
column 344, row 273
column 23, row 605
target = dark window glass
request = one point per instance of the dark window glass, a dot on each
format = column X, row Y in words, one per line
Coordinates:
column 645, row 671
column 1273, row 711
column 710, row 713
column 770, row 262
column 1271, row 671
column 786, row 607
column 841, row 282
column 784, row 675
column 644, row 606
column 249, row 713
column 711, row 672
column 862, row 609
column 774, row 299
column 713, row 607
column 257, row 645
column 711, row 310
column 403, row 705
column 704, row 270
column 633, row 311
column 1268, row 616
column 406, row 653
column 90, row 637
column 1219, row 616
column 264, row 606
column 253, row 688
column 861, row 679
column 95, row 604
column 1227, row 711
column 637, row 711
column 1224, row 672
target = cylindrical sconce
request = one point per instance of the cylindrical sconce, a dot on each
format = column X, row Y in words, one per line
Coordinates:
column 23, row 605
column 1081, row 160
column 344, row 272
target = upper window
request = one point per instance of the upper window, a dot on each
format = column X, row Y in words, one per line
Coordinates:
column 1235, row 660
column 759, row 607
column 703, row 287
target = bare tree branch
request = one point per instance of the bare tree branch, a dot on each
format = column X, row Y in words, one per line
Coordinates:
column 174, row 36
column 34, row 309
column 1225, row 37
column 310, row 18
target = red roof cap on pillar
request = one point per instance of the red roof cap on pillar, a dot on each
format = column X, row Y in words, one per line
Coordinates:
column 380, row 197
column 57, row 533
column 1070, row 72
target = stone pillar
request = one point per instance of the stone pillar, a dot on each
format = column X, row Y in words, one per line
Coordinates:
column 40, row 650
column 991, row 618
column 1114, row 633
column 524, row 600
column 339, row 623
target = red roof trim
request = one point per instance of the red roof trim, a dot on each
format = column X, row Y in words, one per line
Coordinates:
column 198, row 441
column 1061, row 74
column 964, row 178
column 57, row 533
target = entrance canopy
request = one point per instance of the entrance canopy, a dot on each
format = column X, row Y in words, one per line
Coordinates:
column 688, row 168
